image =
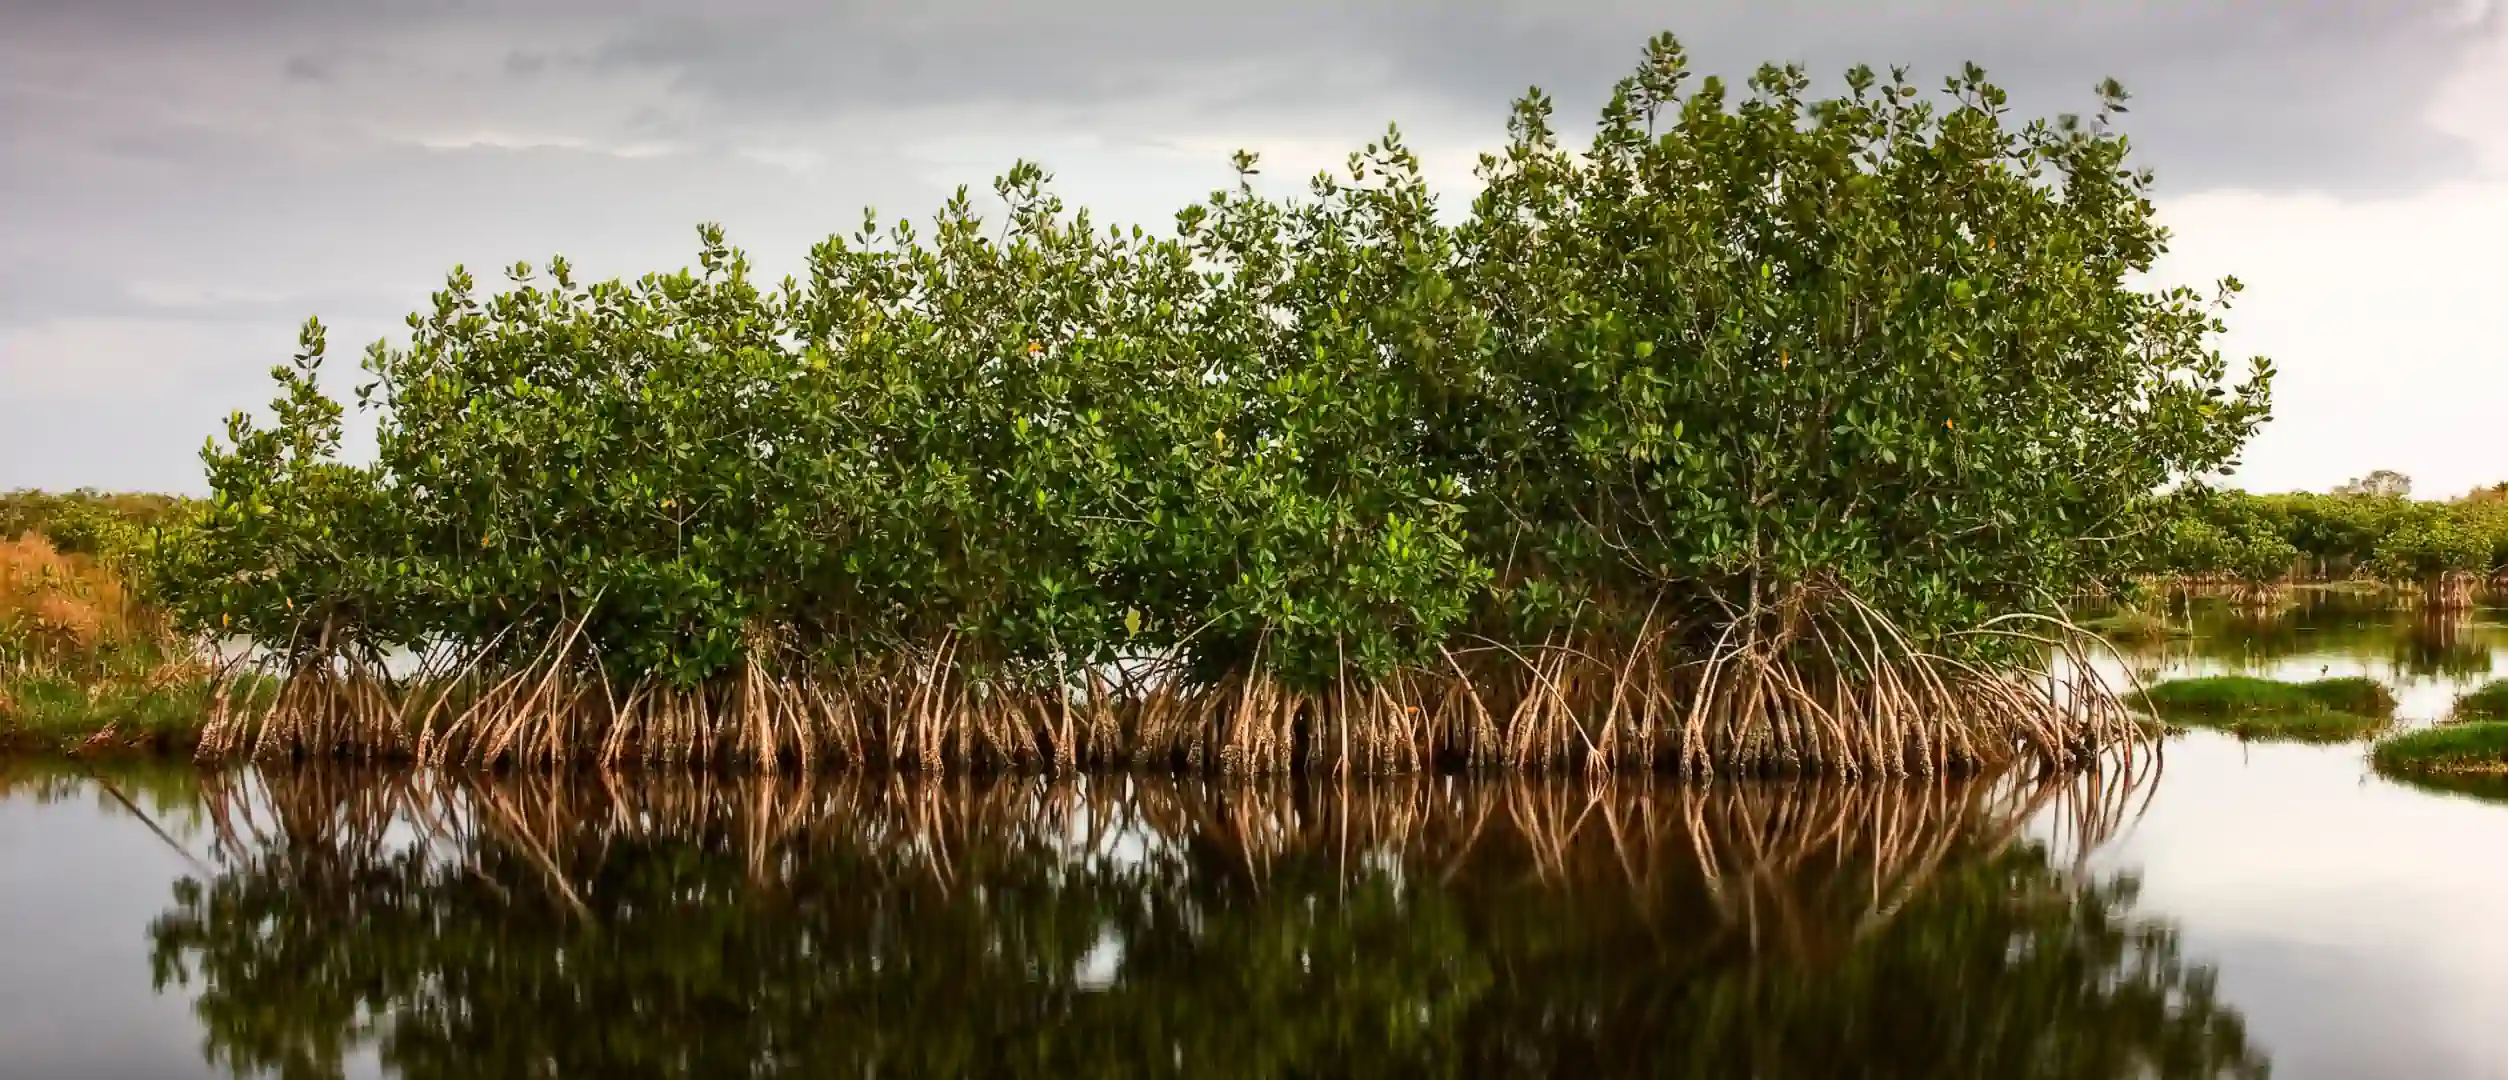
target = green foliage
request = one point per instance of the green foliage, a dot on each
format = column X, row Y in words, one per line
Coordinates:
column 2429, row 546
column 2338, row 533
column 132, row 532
column 2227, row 533
column 1052, row 448
column 1743, row 346
column 295, row 550
column 2258, row 538
column 2258, row 555
column 85, row 521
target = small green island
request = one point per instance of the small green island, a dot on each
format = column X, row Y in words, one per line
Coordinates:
column 2472, row 746
column 2319, row 710
column 2468, row 753
column 2488, row 701
column 2475, row 748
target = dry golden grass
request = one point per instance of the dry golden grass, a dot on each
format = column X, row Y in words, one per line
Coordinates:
column 86, row 664
column 54, row 606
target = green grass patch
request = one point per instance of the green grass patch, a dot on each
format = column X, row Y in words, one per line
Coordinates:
column 56, row 713
column 2247, row 696
column 2470, row 749
column 2324, row 710
column 2488, row 701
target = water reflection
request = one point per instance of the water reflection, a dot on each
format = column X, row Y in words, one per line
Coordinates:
column 2476, row 786
column 464, row 927
column 2440, row 645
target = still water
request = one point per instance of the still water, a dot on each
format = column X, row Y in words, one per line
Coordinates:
column 2250, row 909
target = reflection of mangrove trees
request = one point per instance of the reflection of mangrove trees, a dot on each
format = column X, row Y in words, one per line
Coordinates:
column 2441, row 645
column 758, row 929
column 165, row 796
column 2410, row 644
column 2226, row 633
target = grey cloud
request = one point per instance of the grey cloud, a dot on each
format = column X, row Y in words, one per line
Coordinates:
column 2274, row 97
column 175, row 147
column 32, row 293
column 659, row 123
column 309, row 69
column 2317, row 96
column 153, row 266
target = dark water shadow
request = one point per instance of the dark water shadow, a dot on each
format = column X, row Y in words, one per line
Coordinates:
column 2489, row 788
column 760, row 927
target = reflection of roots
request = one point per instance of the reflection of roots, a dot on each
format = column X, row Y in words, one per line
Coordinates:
column 1804, row 867
column 1814, row 683
column 2448, row 592
column 2256, row 595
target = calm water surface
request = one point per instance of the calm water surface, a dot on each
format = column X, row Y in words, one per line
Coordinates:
column 2253, row 909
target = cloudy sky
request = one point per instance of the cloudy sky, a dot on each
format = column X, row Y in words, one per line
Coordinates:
column 183, row 181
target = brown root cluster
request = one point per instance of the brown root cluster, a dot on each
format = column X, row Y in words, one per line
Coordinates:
column 2256, row 595
column 1819, row 685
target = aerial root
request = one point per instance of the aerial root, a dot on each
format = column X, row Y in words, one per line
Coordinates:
column 1816, row 684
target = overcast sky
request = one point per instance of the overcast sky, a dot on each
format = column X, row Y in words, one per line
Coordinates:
column 183, row 181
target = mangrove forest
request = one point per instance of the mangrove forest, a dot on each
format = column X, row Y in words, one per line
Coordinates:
column 1763, row 433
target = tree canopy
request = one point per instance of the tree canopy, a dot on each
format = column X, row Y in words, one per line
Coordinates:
column 1828, row 384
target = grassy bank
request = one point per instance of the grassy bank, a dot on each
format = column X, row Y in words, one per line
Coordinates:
column 51, row 713
column 2469, row 749
column 2320, row 710
column 87, row 664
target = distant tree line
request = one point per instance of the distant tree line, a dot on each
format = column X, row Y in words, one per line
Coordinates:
column 91, row 522
column 2367, row 528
